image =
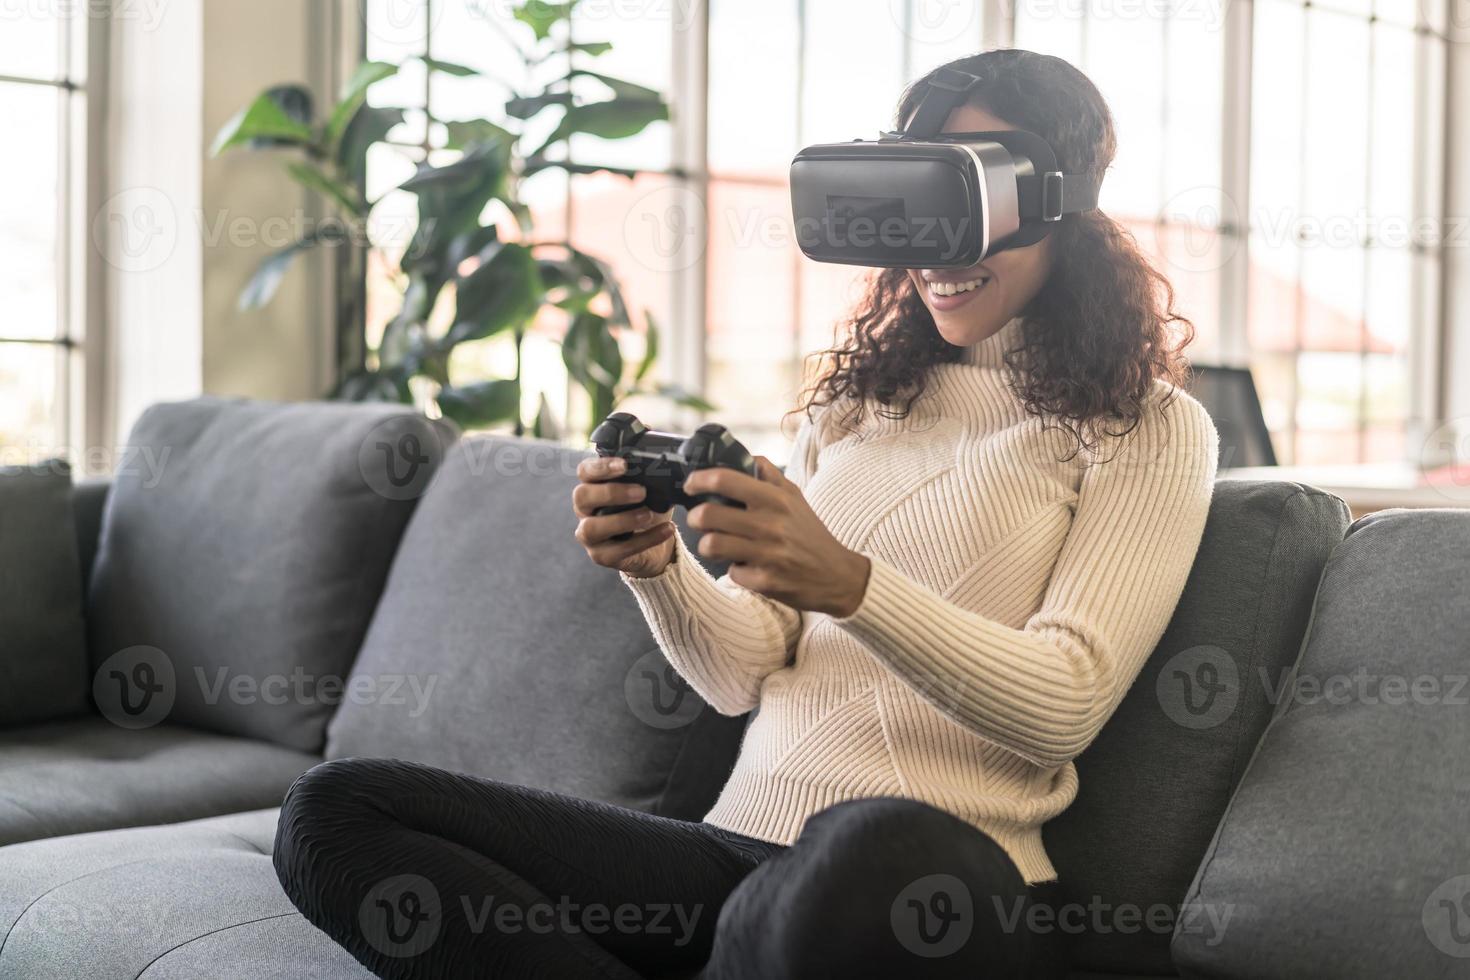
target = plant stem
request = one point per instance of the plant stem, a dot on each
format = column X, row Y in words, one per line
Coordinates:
column 520, row 336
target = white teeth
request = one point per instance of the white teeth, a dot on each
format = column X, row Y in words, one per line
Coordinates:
column 955, row 288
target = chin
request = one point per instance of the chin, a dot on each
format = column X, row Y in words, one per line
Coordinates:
column 968, row 330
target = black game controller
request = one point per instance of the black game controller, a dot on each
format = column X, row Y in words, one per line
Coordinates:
column 660, row 462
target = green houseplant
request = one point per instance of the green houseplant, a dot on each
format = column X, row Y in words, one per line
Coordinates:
column 493, row 283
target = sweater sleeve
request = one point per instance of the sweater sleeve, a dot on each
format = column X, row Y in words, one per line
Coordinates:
column 1045, row 690
column 721, row 637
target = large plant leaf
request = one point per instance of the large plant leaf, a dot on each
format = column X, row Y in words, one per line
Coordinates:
column 526, row 106
column 373, row 386
column 538, row 164
column 603, row 272
column 403, row 345
column 613, row 120
column 592, row 49
column 650, row 347
column 482, row 404
column 568, row 269
column 371, row 124
column 449, row 67
column 684, row 397
column 354, row 95
column 591, row 354
column 451, row 199
column 463, row 133
column 311, row 177
column 542, row 15
column 263, row 119
column 471, row 243
column 266, row 280
column 505, row 290
column 623, row 89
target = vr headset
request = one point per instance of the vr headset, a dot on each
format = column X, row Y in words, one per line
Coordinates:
column 916, row 199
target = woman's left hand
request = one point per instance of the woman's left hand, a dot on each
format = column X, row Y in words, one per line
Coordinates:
column 777, row 545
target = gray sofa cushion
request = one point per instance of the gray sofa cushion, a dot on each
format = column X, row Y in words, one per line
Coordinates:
column 189, row 900
column 1344, row 852
column 1154, row 783
column 243, row 547
column 87, row 774
column 43, row 652
column 537, row 665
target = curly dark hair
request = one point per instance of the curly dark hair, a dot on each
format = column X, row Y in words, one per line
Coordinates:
column 1097, row 334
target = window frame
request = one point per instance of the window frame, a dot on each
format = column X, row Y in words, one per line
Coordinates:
column 81, row 427
column 686, row 362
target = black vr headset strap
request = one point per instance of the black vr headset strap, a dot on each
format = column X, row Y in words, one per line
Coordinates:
column 1045, row 193
column 948, row 89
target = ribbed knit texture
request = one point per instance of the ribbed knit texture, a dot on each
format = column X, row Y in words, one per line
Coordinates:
column 1016, row 590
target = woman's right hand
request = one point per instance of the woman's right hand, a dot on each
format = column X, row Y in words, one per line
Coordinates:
column 648, row 552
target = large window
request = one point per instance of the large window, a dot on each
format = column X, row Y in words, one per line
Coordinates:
column 42, row 170
column 1279, row 160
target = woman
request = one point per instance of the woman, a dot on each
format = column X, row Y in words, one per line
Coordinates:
column 995, row 496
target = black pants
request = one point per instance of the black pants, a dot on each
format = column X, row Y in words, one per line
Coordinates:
column 424, row 873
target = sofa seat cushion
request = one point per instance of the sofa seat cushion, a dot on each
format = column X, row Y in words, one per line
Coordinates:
column 525, row 662
column 1153, row 785
column 197, row 899
column 243, row 547
column 1344, row 852
column 86, row 774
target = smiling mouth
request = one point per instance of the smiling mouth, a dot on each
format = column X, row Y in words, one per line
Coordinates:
column 952, row 287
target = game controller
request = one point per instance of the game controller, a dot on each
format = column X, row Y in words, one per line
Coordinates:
column 660, row 462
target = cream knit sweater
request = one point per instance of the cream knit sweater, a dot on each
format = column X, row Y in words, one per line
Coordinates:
column 1013, row 598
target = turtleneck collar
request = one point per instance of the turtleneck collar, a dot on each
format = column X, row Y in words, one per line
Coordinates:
column 991, row 351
